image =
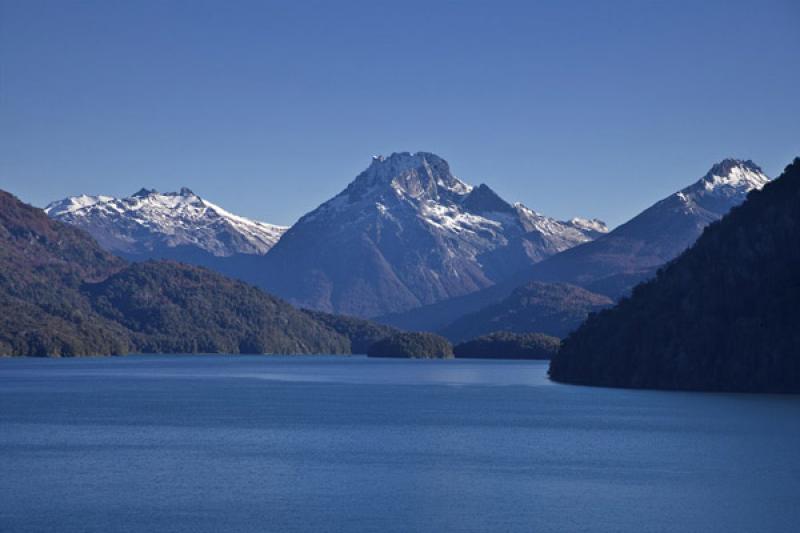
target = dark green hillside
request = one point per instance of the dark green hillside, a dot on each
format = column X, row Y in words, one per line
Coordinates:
column 42, row 267
column 506, row 345
column 412, row 345
column 176, row 308
column 551, row 308
column 33, row 247
column 62, row 295
column 361, row 333
column 723, row 316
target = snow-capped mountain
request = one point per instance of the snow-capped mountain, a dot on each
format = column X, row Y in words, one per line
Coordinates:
column 613, row 263
column 407, row 232
column 723, row 187
column 658, row 234
column 153, row 224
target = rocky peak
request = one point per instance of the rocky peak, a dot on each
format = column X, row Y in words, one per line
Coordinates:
column 149, row 220
column 419, row 175
column 737, row 173
column 724, row 185
column 726, row 166
column 482, row 199
column 144, row 192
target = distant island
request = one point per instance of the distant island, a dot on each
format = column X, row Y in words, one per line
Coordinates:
column 497, row 345
column 413, row 346
column 507, row 345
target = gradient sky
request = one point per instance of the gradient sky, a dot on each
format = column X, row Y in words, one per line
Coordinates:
column 593, row 108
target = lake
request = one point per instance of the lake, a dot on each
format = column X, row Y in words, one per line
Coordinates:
column 250, row 443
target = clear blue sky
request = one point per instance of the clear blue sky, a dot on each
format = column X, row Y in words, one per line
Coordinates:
column 269, row 108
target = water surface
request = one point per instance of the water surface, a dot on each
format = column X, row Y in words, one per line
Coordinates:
column 213, row 443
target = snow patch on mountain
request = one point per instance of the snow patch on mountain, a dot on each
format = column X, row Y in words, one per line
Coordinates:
column 451, row 218
column 148, row 220
column 725, row 185
column 421, row 184
column 407, row 232
column 734, row 173
column 594, row 225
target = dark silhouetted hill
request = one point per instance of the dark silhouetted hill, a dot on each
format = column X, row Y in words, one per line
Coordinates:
column 506, row 345
column 62, row 295
column 412, row 345
column 723, row 316
column 551, row 308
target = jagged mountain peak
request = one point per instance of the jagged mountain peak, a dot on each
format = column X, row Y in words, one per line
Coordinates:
column 183, row 192
column 420, row 175
column 737, row 173
column 407, row 232
column 143, row 193
column 399, row 161
column 727, row 165
column 724, row 185
column 148, row 222
column 482, row 199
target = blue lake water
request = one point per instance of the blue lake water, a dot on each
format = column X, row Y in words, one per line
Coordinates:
column 214, row 443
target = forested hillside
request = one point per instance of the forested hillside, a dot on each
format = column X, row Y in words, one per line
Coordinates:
column 723, row 316
column 62, row 295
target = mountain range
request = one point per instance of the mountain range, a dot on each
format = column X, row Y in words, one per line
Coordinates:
column 718, row 314
column 177, row 225
column 554, row 309
column 609, row 265
column 723, row 316
column 405, row 233
column 61, row 294
column 658, row 234
column 411, row 244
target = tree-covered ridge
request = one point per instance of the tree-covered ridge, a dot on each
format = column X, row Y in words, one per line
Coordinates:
column 723, row 316
column 506, row 345
column 42, row 267
column 62, row 295
column 34, row 246
column 176, row 308
column 361, row 333
column 412, row 345
column 551, row 308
